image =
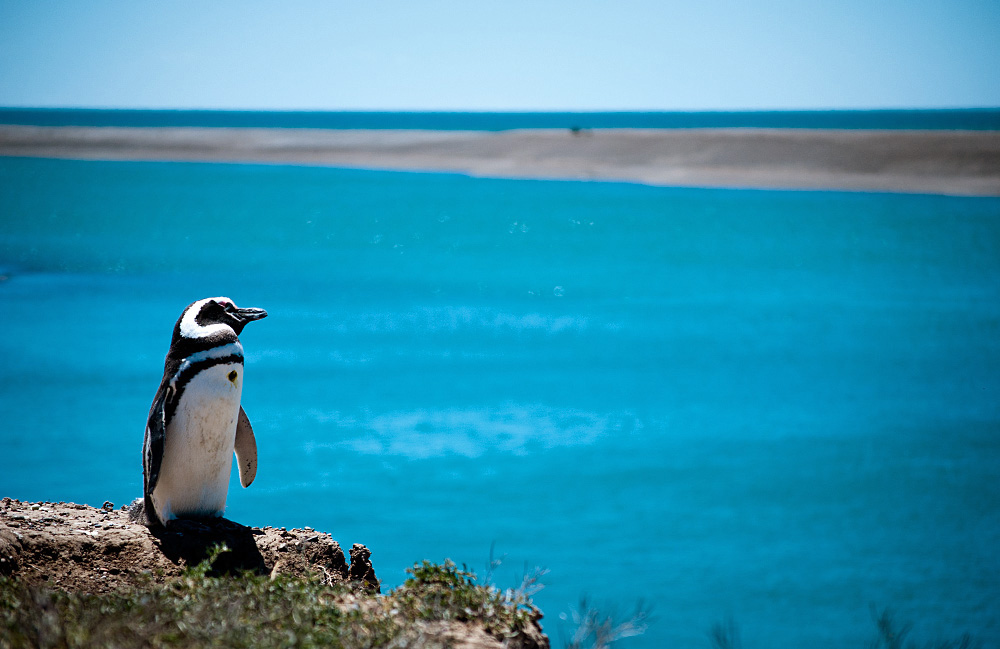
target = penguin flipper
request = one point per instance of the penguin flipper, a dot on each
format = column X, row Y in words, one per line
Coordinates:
column 246, row 449
column 152, row 456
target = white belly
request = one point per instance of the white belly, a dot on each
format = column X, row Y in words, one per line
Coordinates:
column 198, row 446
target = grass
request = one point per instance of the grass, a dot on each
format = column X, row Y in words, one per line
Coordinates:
column 200, row 610
column 596, row 629
column 725, row 635
column 888, row 635
column 445, row 592
column 891, row 635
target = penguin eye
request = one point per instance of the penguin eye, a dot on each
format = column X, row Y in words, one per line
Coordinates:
column 232, row 376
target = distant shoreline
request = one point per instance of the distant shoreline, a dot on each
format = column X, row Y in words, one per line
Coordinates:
column 963, row 163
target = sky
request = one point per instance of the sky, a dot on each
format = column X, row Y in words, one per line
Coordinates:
column 511, row 55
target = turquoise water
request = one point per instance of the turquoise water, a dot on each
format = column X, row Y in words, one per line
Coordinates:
column 782, row 407
column 975, row 119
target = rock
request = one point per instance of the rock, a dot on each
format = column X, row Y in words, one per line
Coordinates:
column 85, row 549
column 10, row 552
column 361, row 568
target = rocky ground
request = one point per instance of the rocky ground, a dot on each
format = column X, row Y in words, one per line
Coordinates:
column 51, row 547
column 79, row 548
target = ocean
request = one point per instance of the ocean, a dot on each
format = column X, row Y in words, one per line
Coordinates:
column 974, row 119
column 779, row 408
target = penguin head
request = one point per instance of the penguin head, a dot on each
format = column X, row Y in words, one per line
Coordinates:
column 222, row 310
column 213, row 316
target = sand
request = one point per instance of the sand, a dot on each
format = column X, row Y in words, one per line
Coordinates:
column 965, row 163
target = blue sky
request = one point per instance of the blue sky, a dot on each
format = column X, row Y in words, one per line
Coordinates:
column 512, row 55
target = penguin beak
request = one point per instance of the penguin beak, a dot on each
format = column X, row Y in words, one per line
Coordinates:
column 251, row 314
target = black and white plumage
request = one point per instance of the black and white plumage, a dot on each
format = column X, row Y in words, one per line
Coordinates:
column 196, row 421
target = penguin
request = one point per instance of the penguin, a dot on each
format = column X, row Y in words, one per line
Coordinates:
column 196, row 421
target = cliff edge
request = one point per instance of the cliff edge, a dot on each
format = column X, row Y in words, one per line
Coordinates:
column 79, row 548
column 70, row 557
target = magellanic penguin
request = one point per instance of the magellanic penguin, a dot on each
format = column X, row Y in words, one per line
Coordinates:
column 196, row 421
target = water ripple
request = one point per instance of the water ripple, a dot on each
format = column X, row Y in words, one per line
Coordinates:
column 515, row 429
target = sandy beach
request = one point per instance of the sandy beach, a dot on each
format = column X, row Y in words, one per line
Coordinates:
column 965, row 163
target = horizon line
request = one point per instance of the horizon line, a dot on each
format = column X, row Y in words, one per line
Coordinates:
column 503, row 111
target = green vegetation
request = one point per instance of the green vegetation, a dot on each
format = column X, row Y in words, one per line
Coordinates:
column 888, row 635
column 444, row 592
column 201, row 610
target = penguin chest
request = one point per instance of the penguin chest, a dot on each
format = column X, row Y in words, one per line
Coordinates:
column 198, row 445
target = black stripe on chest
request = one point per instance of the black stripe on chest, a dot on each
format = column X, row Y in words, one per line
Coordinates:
column 176, row 387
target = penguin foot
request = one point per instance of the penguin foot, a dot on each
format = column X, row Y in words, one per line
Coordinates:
column 137, row 514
